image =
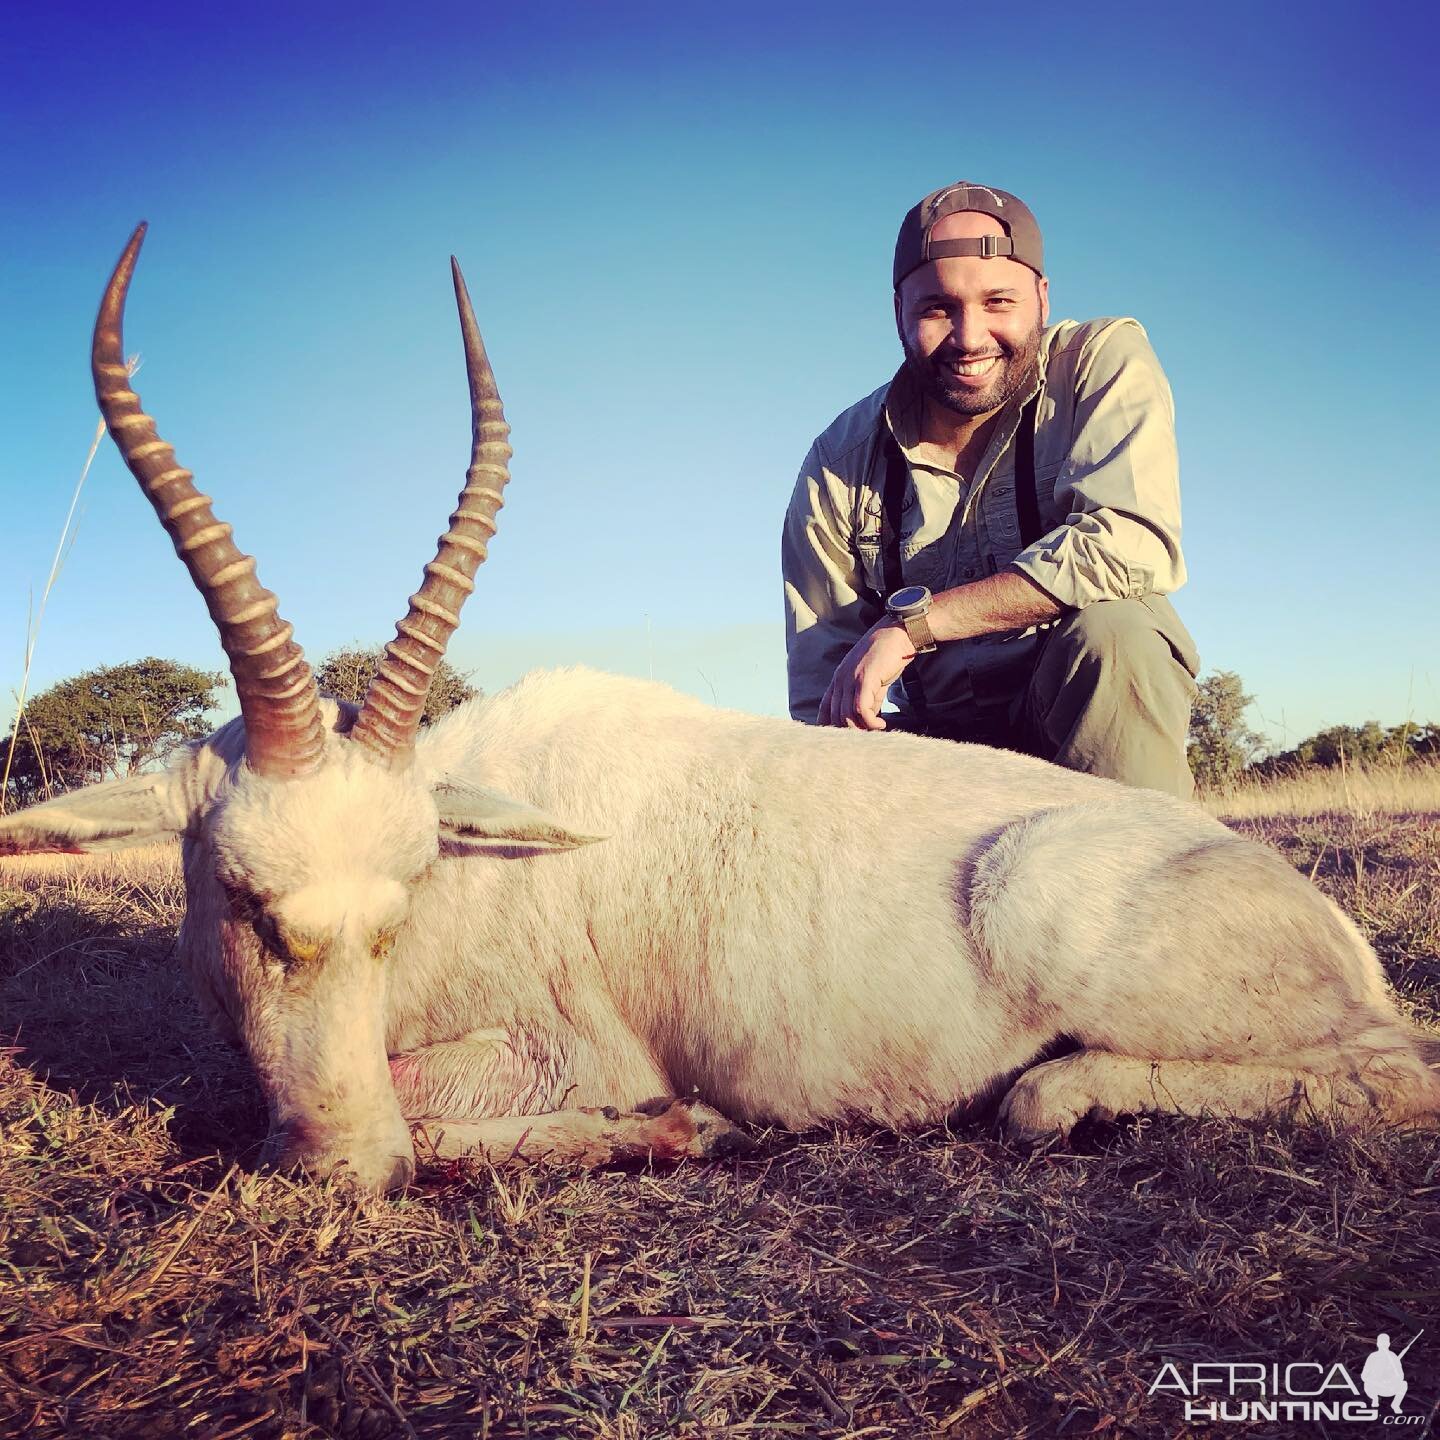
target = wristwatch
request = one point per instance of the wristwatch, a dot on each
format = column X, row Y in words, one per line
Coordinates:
column 910, row 607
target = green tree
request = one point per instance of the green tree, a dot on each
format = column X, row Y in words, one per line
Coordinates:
column 1367, row 744
column 1221, row 743
column 105, row 724
column 346, row 674
column 1348, row 743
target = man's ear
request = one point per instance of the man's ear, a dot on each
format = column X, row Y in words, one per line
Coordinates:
column 113, row 816
column 477, row 819
column 1043, row 286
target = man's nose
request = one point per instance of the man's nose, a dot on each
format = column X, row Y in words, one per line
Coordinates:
column 971, row 333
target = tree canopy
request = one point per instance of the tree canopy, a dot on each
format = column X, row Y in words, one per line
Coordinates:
column 346, row 674
column 106, row 724
column 1221, row 743
column 1369, row 744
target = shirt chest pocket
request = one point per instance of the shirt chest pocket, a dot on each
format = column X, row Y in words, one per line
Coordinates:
column 920, row 564
column 867, row 560
column 1003, row 516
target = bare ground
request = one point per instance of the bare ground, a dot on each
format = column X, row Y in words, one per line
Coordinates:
column 841, row 1286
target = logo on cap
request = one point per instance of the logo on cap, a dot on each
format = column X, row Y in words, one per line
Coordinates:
column 935, row 200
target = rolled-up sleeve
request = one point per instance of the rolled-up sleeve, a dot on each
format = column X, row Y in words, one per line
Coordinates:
column 827, row 605
column 1120, row 483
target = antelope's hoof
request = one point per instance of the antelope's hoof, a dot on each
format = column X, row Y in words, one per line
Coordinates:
column 693, row 1130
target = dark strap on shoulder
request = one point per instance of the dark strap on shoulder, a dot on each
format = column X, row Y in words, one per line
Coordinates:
column 1027, row 505
column 892, row 510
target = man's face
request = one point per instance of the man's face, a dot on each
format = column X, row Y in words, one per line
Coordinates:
column 971, row 326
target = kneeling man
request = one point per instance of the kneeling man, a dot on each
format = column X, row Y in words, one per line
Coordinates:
column 991, row 536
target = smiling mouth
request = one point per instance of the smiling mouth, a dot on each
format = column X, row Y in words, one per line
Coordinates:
column 972, row 369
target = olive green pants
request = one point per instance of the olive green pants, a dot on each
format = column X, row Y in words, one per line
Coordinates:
column 1109, row 694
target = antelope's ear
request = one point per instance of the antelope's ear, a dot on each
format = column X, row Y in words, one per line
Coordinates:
column 473, row 818
column 113, row 816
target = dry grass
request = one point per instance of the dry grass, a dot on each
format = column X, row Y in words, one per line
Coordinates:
column 842, row 1286
column 1359, row 790
column 95, row 875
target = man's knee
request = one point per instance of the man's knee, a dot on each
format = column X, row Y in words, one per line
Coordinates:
column 1111, row 694
column 1112, row 645
column 1110, row 633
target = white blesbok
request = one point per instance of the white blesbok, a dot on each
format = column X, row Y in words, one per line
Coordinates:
column 794, row 925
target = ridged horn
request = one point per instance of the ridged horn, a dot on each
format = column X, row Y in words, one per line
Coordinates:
column 390, row 717
column 284, row 733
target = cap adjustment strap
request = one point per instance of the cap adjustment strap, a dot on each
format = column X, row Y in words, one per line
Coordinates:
column 987, row 247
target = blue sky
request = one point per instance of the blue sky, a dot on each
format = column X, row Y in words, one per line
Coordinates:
column 676, row 228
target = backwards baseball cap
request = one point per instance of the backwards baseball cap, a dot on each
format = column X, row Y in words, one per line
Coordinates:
column 1021, row 240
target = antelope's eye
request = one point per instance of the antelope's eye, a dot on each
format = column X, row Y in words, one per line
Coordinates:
column 268, row 934
column 246, row 909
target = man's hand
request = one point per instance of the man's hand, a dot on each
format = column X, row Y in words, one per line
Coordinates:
column 1007, row 601
column 860, row 681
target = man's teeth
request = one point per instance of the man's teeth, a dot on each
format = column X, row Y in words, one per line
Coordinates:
column 973, row 367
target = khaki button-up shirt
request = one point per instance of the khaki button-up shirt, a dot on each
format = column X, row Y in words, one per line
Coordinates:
column 1108, row 492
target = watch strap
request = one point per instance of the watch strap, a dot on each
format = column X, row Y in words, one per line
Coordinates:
column 917, row 627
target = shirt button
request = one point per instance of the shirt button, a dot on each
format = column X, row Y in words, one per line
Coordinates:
column 968, row 572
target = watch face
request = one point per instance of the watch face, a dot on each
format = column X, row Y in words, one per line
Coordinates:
column 910, row 595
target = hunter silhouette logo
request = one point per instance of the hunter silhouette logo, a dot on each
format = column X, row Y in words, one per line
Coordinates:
column 1384, row 1376
column 1295, row 1390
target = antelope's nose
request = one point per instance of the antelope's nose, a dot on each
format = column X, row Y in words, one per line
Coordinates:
column 376, row 1169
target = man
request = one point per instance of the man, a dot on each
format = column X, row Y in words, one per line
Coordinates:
column 997, row 528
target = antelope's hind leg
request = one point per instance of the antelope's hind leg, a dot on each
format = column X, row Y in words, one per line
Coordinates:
column 1199, row 974
column 1390, row 1086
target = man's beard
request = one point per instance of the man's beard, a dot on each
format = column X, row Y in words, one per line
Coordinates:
column 1015, row 371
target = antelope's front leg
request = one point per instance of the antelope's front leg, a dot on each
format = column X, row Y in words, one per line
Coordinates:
column 491, row 1095
column 683, row 1129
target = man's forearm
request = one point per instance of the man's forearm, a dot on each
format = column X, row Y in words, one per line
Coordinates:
column 1007, row 601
